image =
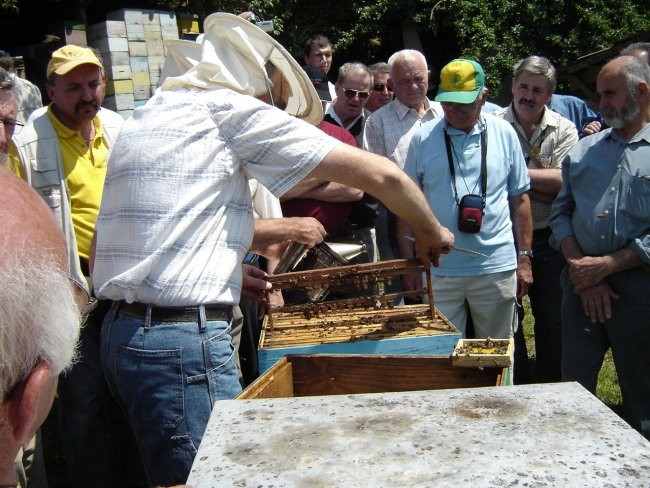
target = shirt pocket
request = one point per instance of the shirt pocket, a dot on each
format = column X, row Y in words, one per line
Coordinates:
column 45, row 180
column 635, row 204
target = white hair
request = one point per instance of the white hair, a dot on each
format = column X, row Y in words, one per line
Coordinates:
column 39, row 318
column 405, row 54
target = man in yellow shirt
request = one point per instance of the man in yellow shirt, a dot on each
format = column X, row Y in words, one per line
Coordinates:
column 62, row 155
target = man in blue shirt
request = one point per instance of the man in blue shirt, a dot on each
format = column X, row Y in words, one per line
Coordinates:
column 445, row 159
column 601, row 223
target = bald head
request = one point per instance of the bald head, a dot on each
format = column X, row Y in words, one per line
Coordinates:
column 624, row 88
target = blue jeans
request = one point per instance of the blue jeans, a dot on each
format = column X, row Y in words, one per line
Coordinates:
column 167, row 377
column 627, row 333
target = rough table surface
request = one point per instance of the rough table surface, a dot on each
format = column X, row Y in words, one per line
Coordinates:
column 553, row 435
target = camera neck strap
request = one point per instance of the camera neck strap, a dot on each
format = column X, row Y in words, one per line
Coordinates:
column 450, row 159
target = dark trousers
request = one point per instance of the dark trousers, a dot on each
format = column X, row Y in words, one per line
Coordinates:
column 98, row 444
column 545, row 300
column 627, row 333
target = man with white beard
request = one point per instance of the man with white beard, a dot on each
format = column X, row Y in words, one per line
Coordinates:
column 601, row 223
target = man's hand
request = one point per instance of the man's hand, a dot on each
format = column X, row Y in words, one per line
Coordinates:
column 307, row 230
column 524, row 276
column 591, row 128
column 430, row 245
column 254, row 283
column 596, row 302
column 586, row 272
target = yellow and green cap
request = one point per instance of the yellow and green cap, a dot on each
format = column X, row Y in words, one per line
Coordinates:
column 460, row 81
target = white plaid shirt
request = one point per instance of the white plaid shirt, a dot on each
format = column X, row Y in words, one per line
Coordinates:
column 175, row 221
column 389, row 130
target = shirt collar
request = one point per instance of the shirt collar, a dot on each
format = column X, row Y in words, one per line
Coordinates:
column 548, row 118
column 402, row 110
column 64, row 132
column 332, row 113
column 642, row 135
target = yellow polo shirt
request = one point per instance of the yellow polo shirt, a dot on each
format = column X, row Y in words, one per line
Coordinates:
column 84, row 169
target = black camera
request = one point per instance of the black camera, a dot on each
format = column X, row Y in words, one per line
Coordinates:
column 470, row 215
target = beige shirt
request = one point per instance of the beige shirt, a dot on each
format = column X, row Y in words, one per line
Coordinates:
column 546, row 148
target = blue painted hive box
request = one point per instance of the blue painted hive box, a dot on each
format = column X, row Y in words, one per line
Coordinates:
column 367, row 323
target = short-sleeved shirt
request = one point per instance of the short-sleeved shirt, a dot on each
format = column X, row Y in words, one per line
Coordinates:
column 546, row 148
column 427, row 164
column 176, row 219
column 390, row 128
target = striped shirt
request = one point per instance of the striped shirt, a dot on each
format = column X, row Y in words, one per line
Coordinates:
column 175, row 221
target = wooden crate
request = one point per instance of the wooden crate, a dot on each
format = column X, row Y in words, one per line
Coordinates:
column 366, row 324
column 319, row 374
column 484, row 352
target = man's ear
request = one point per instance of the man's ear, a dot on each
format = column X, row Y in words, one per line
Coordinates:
column 31, row 402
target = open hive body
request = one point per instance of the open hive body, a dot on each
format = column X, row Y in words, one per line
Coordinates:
column 366, row 324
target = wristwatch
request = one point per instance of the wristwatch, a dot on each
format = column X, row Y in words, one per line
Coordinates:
column 528, row 253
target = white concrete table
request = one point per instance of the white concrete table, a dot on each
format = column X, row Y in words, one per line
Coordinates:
column 553, row 435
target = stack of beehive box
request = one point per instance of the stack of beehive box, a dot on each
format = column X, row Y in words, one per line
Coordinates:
column 131, row 43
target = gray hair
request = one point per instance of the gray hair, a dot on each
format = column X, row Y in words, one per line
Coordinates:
column 6, row 80
column 379, row 68
column 635, row 48
column 39, row 318
column 348, row 68
column 537, row 65
column 635, row 71
column 405, row 54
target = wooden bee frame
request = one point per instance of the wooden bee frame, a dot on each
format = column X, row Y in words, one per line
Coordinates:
column 366, row 324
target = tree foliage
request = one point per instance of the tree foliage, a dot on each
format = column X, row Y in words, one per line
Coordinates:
column 496, row 32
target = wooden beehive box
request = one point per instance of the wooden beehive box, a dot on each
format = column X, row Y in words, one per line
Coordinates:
column 484, row 352
column 320, row 374
column 367, row 324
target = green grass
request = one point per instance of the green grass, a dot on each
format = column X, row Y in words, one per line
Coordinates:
column 608, row 390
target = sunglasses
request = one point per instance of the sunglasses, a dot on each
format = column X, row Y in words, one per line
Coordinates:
column 350, row 93
column 379, row 87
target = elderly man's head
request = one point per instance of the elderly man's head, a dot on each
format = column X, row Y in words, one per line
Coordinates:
column 39, row 318
column 8, row 113
column 533, row 84
column 639, row 50
column 352, row 90
column 624, row 88
column 409, row 77
column 381, row 92
column 75, row 84
column 462, row 93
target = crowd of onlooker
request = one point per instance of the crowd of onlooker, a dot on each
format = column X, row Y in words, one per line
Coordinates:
column 157, row 233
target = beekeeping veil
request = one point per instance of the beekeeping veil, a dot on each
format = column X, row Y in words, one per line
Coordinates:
column 234, row 53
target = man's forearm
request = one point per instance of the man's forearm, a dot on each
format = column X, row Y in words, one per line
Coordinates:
column 545, row 183
column 381, row 178
column 522, row 221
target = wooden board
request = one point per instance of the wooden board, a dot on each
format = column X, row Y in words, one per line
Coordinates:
column 319, row 374
column 484, row 352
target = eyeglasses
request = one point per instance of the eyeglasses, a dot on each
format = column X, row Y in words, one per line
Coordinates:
column 350, row 93
column 12, row 126
column 461, row 107
column 380, row 87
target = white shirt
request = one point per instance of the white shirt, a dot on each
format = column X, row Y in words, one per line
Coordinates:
column 175, row 221
column 389, row 129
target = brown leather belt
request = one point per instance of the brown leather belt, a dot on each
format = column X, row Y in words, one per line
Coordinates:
column 176, row 314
